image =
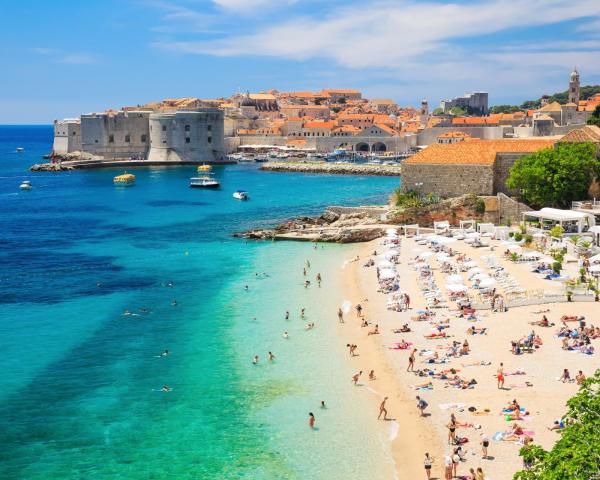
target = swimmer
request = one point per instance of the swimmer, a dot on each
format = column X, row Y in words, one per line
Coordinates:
column 126, row 312
column 287, row 315
column 173, row 303
column 254, row 319
column 302, row 313
column 271, row 357
column 255, row 360
column 310, row 326
column 318, row 279
column 164, row 354
column 311, row 420
column 308, row 264
column 285, row 335
column 307, row 284
column 166, row 388
column 304, row 271
column 323, row 404
column 246, row 287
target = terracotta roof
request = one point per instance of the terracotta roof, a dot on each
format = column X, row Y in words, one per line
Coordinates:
column 316, row 124
column 454, row 134
column 297, row 94
column 382, row 101
column 551, row 107
column 589, row 133
column 386, row 128
column 491, row 120
column 340, row 91
column 347, row 128
column 295, row 119
column 262, row 96
column 475, row 151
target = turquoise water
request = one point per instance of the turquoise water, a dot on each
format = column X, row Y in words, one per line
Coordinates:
column 81, row 392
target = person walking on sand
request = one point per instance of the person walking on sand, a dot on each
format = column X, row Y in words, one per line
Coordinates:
column 407, row 301
column 411, row 361
column 500, row 375
column 340, row 315
column 421, row 405
column 311, row 420
column 355, row 377
column 451, row 430
column 427, row 463
column 359, row 310
column 319, row 279
column 382, row 409
column 485, row 443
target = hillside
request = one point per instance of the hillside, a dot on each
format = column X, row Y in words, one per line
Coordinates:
column 561, row 97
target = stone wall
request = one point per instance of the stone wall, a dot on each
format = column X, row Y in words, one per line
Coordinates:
column 502, row 166
column 448, row 180
column 392, row 144
column 510, row 210
column 375, row 212
column 429, row 135
column 67, row 136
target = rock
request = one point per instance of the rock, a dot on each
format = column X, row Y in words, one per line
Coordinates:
column 49, row 167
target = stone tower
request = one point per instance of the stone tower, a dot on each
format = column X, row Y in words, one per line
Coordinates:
column 424, row 107
column 574, row 87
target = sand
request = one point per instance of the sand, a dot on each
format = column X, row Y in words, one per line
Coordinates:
column 417, row 435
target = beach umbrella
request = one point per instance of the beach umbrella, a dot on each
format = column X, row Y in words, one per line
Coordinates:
column 346, row 306
column 387, row 274
column 594, row 268
column 480, row 276
column 385, row 264
column 389, row 255
column 442, row 256
column 470, row 264
column 425, row 254
column 532, row 254
column 487, row 282
column 446, row 240
column 391, row 231
column 472, row 235
column 474, row 271
column 421, row 265
column 513, row 247
column 454, row 279
column 595, row 259
column 456, row 288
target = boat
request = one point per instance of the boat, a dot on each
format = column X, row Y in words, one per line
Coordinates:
column 244, row 159
column 204, row 168
column 241, row 195
column 20, row 149
column 261, row 158
column 204, row 182
column 125, row 180
column 25, row 185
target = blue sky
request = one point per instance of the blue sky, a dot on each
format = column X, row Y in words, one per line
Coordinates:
column 66, row 57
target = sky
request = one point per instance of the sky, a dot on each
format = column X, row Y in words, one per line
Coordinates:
column 62, row 58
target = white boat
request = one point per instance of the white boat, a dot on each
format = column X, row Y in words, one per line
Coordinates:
column 25, row 185
column 261, row 158
column 204, row 182
column 20, row 149
column 241, row 195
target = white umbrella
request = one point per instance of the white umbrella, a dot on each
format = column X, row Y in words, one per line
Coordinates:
column 389, row 255
column 442, row 256
column 480, row 276
column 446, row 240
column 425, row 254
column 532, row 254
column 421, row 265
column 391, row 231
column 385, row 264
column 470, row 264
column 474, row 271
column 386, row 274
column 594, row 268
column 487, row 282
column 455, row 287
column 595, row 258
column 472, row 235
column 454, row 279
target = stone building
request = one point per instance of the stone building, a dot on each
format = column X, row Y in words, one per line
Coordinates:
column 477, row 102
column 473, row 166
column 574, row 87
column 67, row 136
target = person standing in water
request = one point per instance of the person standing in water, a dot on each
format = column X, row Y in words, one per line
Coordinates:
column 319, row 279
column 255, row 360
column 311, row 420
column 302, row 313
column 271, row 357
column 340, row 315
column 355, row 377
column 382, row 409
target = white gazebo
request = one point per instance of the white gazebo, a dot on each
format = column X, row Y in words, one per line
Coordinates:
column 406, row 228
column 570, row 220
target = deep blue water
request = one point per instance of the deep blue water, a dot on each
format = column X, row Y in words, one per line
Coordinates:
column 78, row 397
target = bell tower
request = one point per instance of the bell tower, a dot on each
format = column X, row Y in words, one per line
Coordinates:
column 574, row 87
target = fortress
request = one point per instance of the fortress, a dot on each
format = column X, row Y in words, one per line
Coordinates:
column 178, row 135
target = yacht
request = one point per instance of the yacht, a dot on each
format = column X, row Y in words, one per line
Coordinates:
column 204, row 182
column 125, row 180
column 25, row 185
column 241, row 195
column 20, row 149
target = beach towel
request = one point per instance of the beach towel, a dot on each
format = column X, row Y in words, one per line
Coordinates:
column 448, row 406
column 498, row 436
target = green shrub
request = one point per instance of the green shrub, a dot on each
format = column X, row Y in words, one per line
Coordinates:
column 518, row 237
column 479, row 206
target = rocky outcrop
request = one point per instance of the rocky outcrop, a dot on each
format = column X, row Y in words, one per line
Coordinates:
column 465, row 207
column 50, row 167
column 333, row 168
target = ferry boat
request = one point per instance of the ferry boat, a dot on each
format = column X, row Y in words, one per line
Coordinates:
column 241, row 195
column 25, row 185
column 204, row 168
column 125, row 180
column 204, row 182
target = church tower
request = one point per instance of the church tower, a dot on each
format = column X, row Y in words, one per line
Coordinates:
column 574, row 87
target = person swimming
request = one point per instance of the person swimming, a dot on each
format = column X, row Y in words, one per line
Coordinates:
column 166, row 388
column 164, row 354
column 285, row 335
column 323, row 404
column 271, row 357
column 255, row 360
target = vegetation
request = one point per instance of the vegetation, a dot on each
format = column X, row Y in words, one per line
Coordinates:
column 528, row 239
column 479, row 206
column 585, row 92
column 518, row 236
column 557, row 231
column 412, row 199
column 556, row 176
column 576, row 454
column 437, row 111
column 595, row 118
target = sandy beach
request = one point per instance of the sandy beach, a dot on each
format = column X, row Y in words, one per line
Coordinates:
column 538, row 390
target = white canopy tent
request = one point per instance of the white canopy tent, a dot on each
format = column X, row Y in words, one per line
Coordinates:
column 577, row 222
column 441, row 227
column 406, row 228
column 466, row 225
column 501, row 232
column 485, row 228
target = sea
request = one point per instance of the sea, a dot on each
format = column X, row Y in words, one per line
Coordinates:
column 96, row 281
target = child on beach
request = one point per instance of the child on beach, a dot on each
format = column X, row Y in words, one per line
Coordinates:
column 421, row 405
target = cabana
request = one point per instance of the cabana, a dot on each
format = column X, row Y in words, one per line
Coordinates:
column 441, row 227
column 501, row 232
column 466, row 225
column 484, row 228
column 570, row 220
column 406, row 228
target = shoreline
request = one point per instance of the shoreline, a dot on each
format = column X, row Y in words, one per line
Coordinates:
column 327, row 168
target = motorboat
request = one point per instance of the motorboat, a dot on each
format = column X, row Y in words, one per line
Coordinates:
column 125, row 180
column 261, row 158
column 25, row 185
column 20, row 149
column 204, row 168
column 204, row 182
column 241, row 195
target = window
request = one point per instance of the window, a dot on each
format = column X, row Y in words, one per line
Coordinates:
column 143, row 138
column 164, row 128
column 96, row 141
column 127, row 138
column 187, row 128
column 187, row 139
column 111, row 139
column 73, row 133
column 209, row 139
column 164, row 141
column 209, row 128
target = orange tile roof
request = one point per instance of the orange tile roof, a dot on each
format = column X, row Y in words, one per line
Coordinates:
column 340, row 91
column 347, row 128
column 475, row 151
column 491, row 120
column 317, row 124
column 551, row 107
column 295, row 119
column 386, row 128
column 589, row 133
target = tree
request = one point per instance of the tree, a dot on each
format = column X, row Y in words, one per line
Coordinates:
column 437, row 111
column 595, row 118
column 576, row 455
column 554, row 177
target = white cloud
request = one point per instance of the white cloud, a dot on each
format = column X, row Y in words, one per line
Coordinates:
column 76, row 59
column 245, row 6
